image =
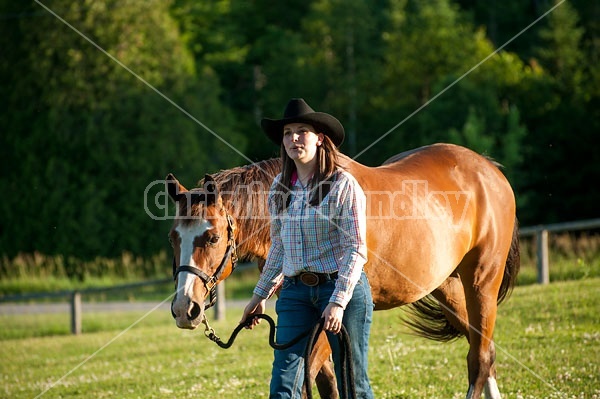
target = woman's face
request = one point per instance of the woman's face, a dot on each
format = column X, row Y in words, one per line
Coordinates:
column 301, row 141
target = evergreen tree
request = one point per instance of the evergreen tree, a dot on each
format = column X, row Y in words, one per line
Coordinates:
column 561, row 150
column 84, row 137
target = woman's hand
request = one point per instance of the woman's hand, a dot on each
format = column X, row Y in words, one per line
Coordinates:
column 333, row 315
column 256, row 305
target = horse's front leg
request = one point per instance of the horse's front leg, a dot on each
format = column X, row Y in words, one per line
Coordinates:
column 326, row 382
column 321, row 369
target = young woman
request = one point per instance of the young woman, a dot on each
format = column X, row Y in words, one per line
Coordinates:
column 318, row 248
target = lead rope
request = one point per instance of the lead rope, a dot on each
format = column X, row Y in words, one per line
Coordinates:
column 348, row 387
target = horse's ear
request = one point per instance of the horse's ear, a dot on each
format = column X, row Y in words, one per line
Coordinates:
column 174, row 188
column 211, row 190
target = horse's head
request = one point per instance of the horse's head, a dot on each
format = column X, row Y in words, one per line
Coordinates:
column 203, row 247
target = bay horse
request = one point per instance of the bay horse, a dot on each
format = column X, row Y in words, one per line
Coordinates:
column 442, row 237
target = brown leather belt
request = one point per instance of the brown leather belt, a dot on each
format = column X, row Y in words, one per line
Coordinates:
column 314, row 279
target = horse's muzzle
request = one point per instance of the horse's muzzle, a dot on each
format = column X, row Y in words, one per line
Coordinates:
column 188, row 316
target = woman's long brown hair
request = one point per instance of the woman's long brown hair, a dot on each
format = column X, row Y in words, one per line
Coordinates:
column 320, row 183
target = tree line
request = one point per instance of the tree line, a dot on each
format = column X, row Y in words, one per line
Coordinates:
column 83, row 137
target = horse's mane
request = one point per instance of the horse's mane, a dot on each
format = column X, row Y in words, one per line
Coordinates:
column 263, row 171
column 244, row 190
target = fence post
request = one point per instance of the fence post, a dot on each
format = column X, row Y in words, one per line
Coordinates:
column 76, row 313
column 220, row 304
column 542, row 256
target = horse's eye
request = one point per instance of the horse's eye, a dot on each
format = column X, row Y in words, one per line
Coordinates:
column 213, row 239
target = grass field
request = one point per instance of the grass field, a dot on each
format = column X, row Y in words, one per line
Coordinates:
column 547, row 340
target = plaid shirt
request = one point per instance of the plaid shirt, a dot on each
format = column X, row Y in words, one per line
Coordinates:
column 327, row 238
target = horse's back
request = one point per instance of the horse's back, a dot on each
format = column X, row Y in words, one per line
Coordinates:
column 426, row 209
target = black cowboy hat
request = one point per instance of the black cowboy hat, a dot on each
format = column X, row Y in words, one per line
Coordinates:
column 297, row 110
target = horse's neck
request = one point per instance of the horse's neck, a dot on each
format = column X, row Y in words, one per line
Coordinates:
column 250, row 210
column 253, row 236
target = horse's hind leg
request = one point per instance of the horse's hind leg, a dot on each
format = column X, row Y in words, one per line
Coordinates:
column 451, row 296
column 481, row 285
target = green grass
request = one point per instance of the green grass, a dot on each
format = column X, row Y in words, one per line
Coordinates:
column 562, row 268
column 547, row 339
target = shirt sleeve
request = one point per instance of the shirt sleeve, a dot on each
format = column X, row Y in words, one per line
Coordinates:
column 272, row 276
column 352, row 222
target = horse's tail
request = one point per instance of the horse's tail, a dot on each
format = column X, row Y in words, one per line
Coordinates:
column 426, row 317
column 512, row 267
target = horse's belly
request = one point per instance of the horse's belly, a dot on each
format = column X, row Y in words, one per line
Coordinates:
column 403, row 285
column 405, row 268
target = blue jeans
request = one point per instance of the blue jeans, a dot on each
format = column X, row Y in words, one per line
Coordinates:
column 300, row 307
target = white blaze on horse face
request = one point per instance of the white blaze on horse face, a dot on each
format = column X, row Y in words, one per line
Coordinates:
column 187, row 234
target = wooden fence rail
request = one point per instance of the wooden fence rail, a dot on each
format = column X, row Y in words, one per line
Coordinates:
column 74, row 297
column 540, row 232
column 76, row 309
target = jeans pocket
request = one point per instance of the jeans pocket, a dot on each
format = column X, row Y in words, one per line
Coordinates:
column 363, row 289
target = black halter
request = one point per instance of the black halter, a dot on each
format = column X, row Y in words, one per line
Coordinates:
column 210, row 282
